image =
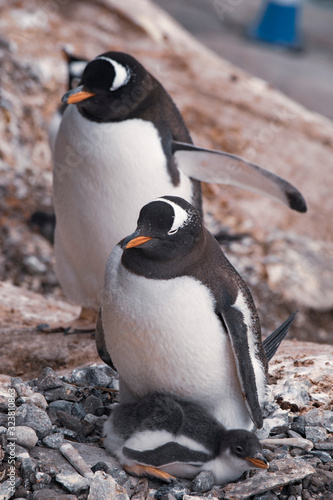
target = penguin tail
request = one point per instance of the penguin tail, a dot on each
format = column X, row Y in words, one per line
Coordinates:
column 273, row 341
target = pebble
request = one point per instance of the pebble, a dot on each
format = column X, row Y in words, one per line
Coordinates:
column 104, row 486
column 69, row 421
column 24, row 436
column 59, row 404
column 203, row 482
column 33, row 265
column 34, row 417
column 48, row 379
column 88, row 423
column 48, row 494
column 54, row 440
column 177, row 490
column 36, row 399
column 323, row 455
column 94, row 405
column 76, row 460
column 315, row 433
column 74, row 482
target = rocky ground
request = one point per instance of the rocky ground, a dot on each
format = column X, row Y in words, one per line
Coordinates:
column 285, row 258
column 59, row 430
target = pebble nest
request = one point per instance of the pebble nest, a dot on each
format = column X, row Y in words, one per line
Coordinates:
column 59, row 455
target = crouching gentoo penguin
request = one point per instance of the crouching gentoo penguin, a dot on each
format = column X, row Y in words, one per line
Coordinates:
column 163, row 436
column 176, row 317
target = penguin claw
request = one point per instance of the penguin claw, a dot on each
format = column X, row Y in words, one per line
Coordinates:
column 85, row 323
column 150, row 472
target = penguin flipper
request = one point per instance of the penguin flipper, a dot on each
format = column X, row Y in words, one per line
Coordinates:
column 100, row 341
column 273, row 341
column 219, row 167
column 233, row 321
column 167, row 454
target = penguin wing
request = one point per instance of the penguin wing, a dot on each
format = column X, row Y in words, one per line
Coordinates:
column 238, row 331
column 273, row 341
column 169, row 453
column 219, row 167
column 100, row 341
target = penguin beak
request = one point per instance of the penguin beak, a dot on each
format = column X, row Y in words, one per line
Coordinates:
column 134, row 240
column 258, row 461
column 76, row 95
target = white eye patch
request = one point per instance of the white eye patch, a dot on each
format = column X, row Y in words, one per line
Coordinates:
column 180, row 215
column 122, row 74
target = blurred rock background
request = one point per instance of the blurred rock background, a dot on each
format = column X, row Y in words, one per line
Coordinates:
column 285, row 257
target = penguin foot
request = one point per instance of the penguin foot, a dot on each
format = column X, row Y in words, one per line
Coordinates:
column 150, row 472
column 84, row 323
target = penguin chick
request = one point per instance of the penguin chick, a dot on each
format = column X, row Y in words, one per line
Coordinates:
column 163, row 436
column 121, row 143
column 176, row 317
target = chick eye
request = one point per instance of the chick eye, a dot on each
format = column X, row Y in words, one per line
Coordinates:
column 172, row 231
column 239, row 449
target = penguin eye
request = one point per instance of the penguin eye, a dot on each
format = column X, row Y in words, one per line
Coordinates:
column 172, row 231
column 239, row 449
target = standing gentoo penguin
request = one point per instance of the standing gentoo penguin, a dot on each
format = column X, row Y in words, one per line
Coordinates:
column 121, row 143
column 162, row 436
column 176, row 317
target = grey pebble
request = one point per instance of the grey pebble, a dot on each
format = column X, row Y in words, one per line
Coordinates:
column 24, row 436
column 48, row 379
column 34, row 417
column 104, row 486
column 177, row 490
column 28, row 466
column 66, row 406
column 74, row 482
column 99, row 376
column 313, row 418
column 69, row 421
column 78, row 410
column 49, row 494
column 54, row 440
column 66, row 392
column 328, row 420
column 315, row 433
column 88, row 423
column 323, row 455
column 34, row 265
column 94, row 405
column 327, row 444
column 266, row 496
column 203, row 482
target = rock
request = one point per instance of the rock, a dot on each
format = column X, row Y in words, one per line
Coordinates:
column 203, row 482
column 315, row 433
column 286, row 471
column 273, row 425
column 104, row 486
column 323, row 455
column 54, row 440
column 301, row 270
column 36, row 399
column 78, row 411
column 48, row 379
column 51, row 494
column 42, row 478
column 328, row 420
column 69, row 421
column 24, row 436
column 295, row 392
column 177, row 490
column 34, row 417
column 313, row 418
column 7, row 489
column 74, row 457
column 74, row 482
column 327, row 444
column 94, row 405
column 66, row 392
column 100, row 376
column 88, row 423
column 29, row 466
column 34, row 265
column 66, row 406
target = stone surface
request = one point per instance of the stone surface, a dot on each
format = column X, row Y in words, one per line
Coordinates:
column 74, row 482
column 34, row 417
column 104, row 486
column 203, row 482
column 288, row 471
column 54, row 440
column 24, row 436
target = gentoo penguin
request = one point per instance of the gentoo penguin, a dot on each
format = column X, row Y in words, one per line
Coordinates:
column 121, row 143
column 176, row 317
column 163, row 436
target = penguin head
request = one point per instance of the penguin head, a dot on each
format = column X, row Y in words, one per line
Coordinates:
column 168, row 229
column 113, row 85
column 244, row 446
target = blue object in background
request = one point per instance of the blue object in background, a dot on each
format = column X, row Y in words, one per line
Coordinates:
column 278, row 22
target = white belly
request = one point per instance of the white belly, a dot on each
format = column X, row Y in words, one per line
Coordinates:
column 103, row 175
column 163, row 335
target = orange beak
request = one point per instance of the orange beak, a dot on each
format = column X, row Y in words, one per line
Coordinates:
column 258, row 462
column 76, row 95
column 139, row 240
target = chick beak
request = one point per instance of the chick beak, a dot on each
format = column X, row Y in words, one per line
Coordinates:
column 134, row 240
column 258, row 461
column 76, row 95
